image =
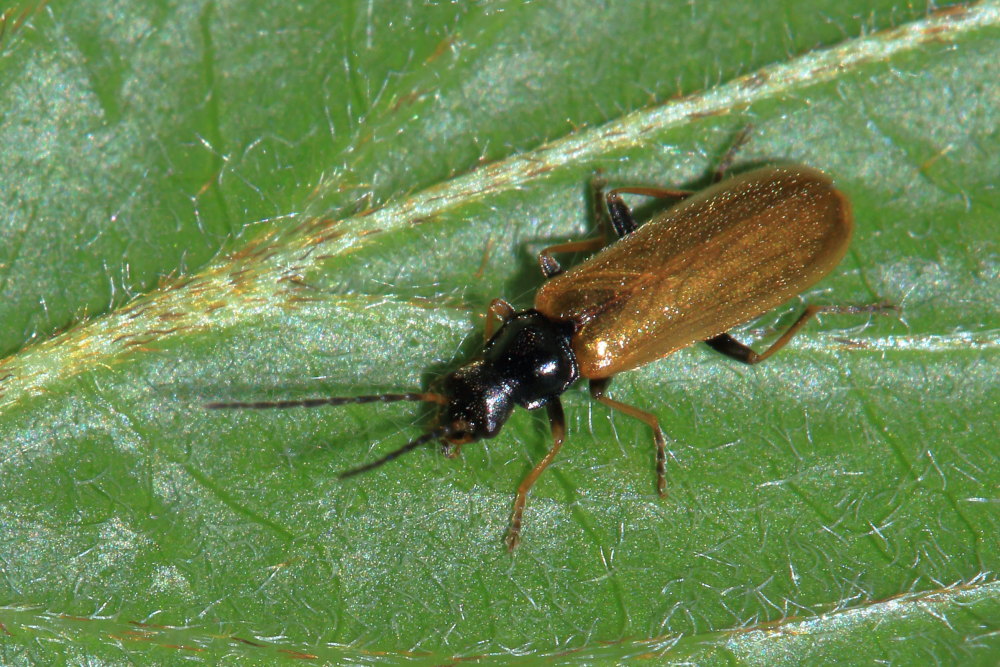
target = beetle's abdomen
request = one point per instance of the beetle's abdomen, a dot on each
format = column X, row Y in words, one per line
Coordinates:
column 716, row 260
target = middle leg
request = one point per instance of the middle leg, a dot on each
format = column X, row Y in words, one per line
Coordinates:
column 620, row 214
column 616, row 213
column 550, row 267
column 597, row 389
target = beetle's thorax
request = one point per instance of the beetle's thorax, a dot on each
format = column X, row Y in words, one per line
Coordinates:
column 527, row 362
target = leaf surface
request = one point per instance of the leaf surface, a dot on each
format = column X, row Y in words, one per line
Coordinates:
column 224, row 201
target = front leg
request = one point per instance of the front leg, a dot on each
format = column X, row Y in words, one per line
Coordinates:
column 557, row 422
column 499, row 311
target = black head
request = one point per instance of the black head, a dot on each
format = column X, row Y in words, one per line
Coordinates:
column 479, row 403
column 528, row 362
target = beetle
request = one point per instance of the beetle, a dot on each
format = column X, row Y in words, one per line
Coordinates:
column 716, row 259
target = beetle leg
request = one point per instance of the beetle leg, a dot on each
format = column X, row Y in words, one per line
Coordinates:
column 727, row 160
column 600, row 210
column 499, row 311
column 621, row 216
column 557, row 422
column 597, row 389
column 731, row 347
column 550, row 267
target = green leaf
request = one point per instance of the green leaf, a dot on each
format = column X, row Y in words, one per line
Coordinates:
column 237, row 201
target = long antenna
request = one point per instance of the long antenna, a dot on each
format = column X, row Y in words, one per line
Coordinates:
column 331, row 400
column 436, row 434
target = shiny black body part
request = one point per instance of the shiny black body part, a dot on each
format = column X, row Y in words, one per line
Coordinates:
column 528, row 362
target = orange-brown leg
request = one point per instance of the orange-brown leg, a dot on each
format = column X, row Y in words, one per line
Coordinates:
column 499, row 311
column 557, row 421
column 597, row 389
column 550, row 267
column 621, row 217
column 620, row 214
column 617, row 214
column 731, row 347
